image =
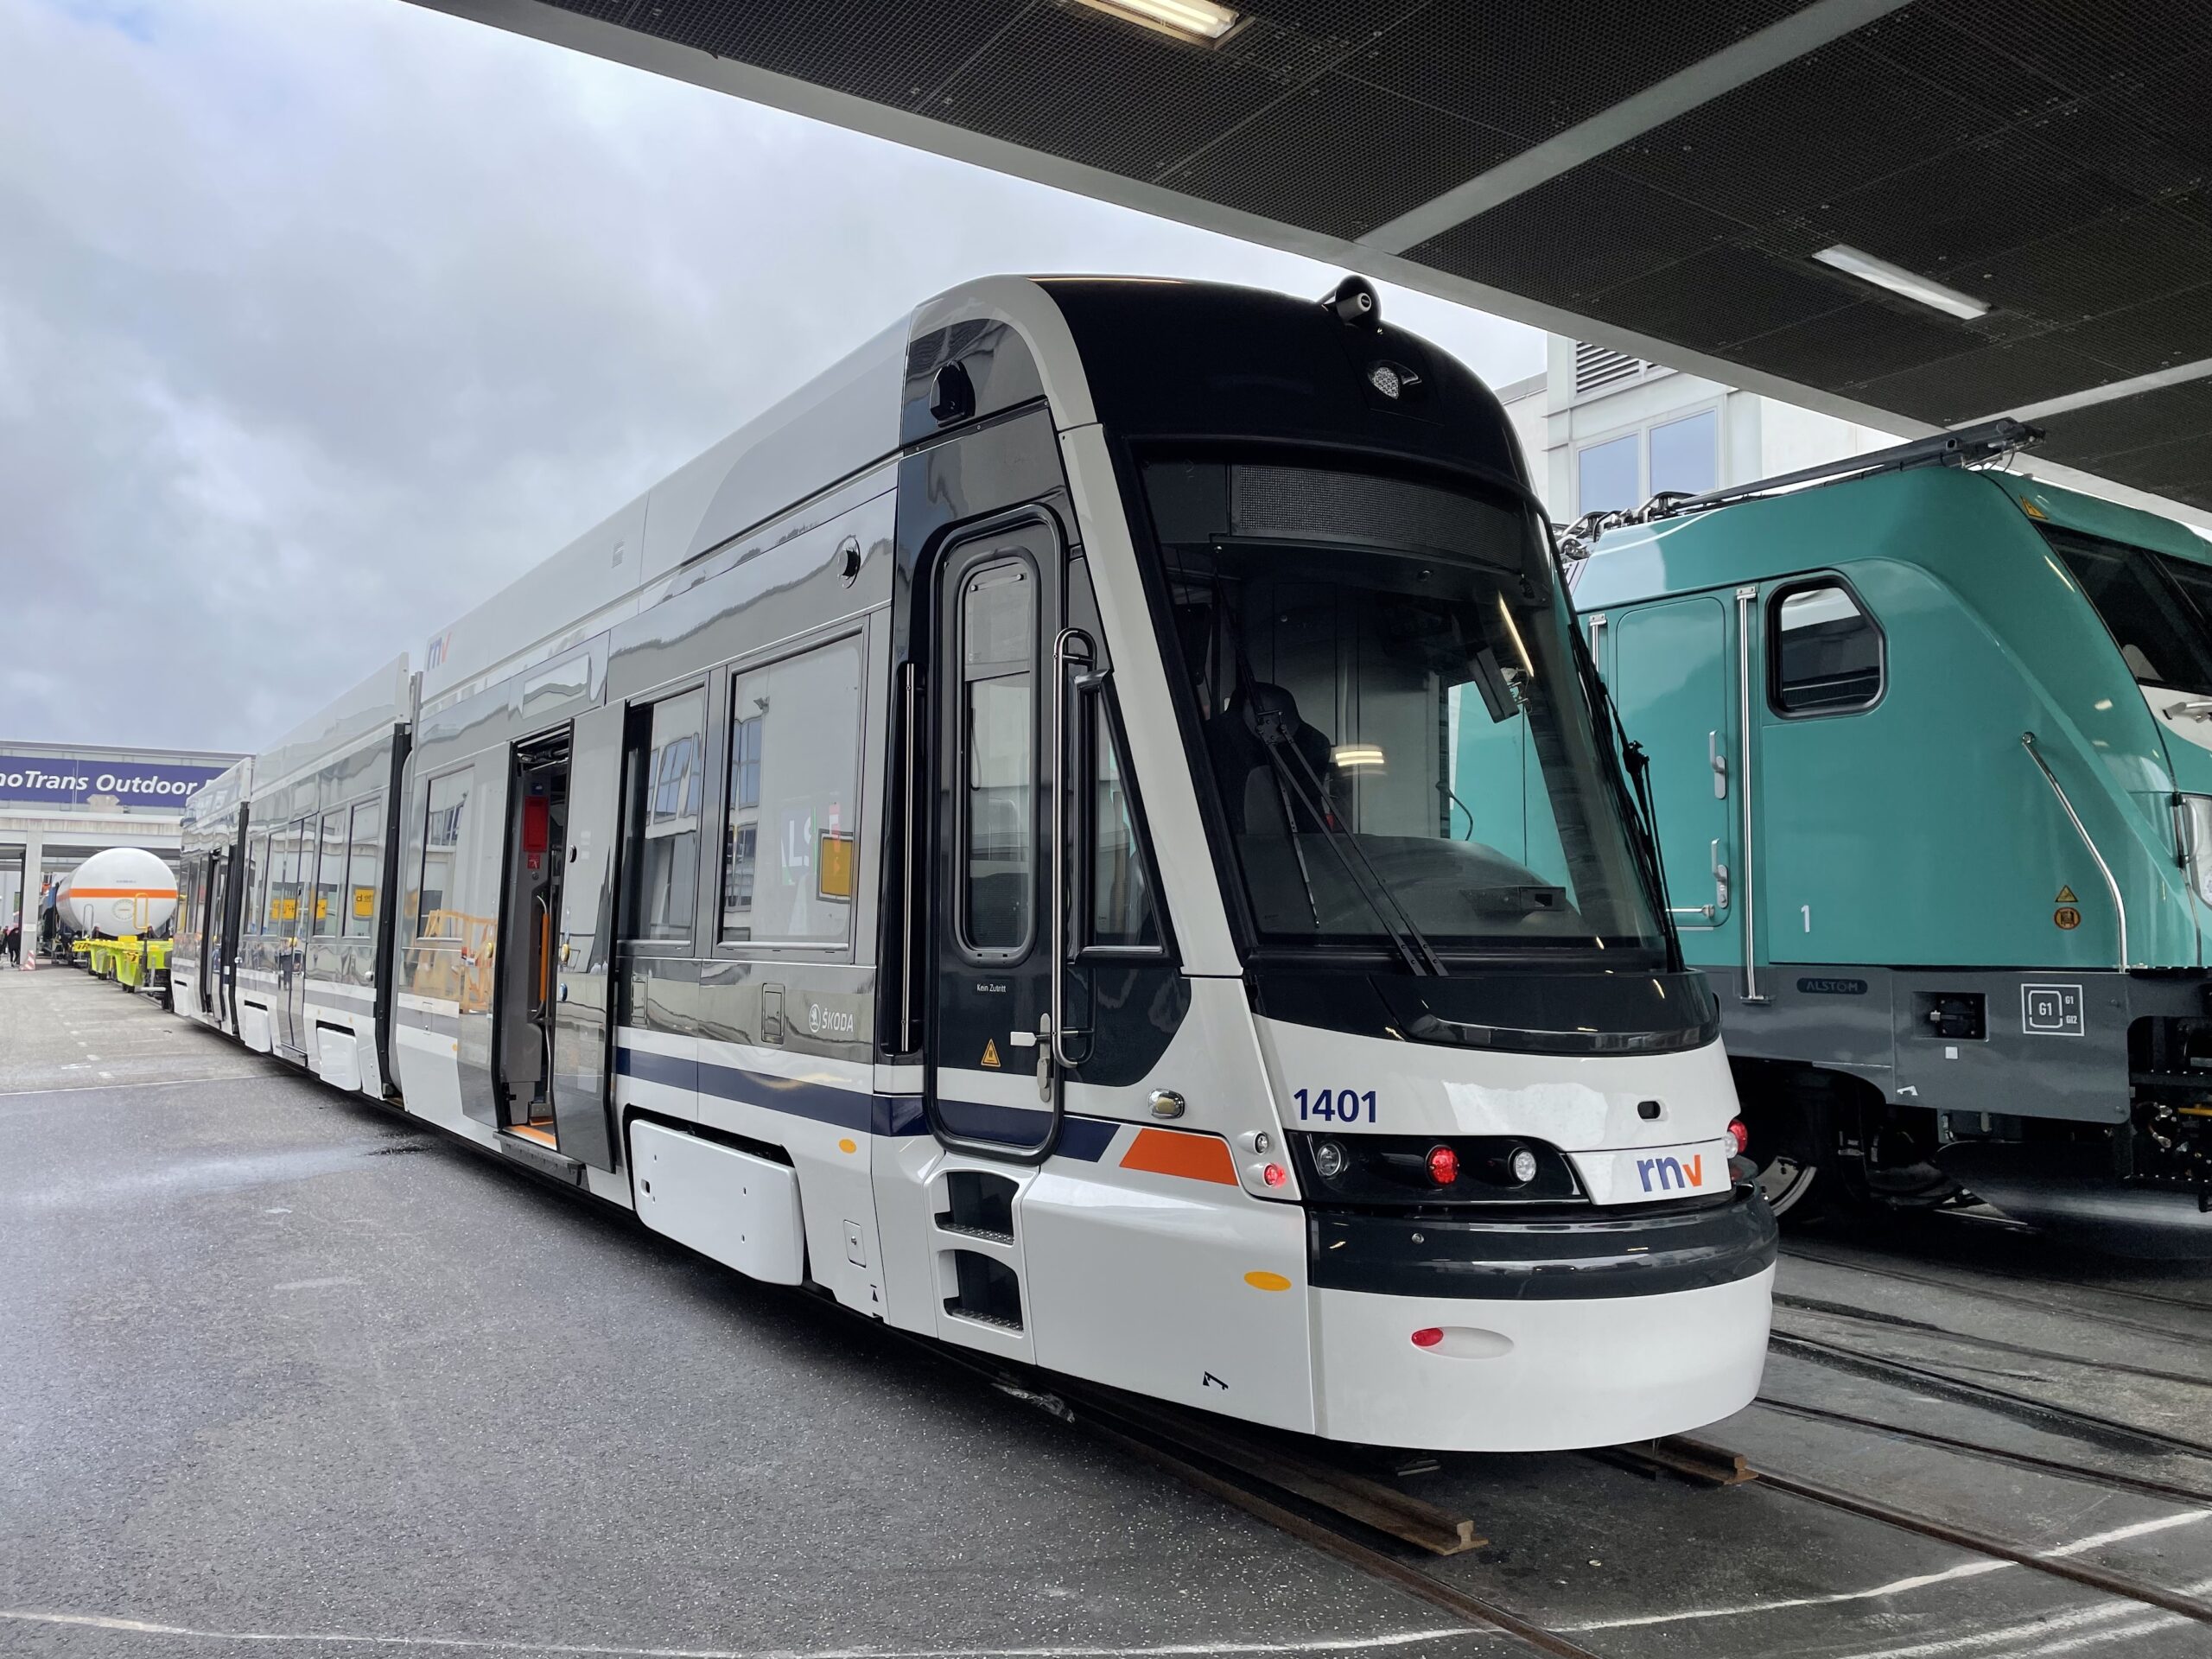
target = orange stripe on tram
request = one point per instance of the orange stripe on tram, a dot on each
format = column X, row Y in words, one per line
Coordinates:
column 1173, row 1152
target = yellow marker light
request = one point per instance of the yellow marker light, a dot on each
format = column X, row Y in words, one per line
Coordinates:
column 848, row 1145
column 1191, row 20
column 1267, row 1281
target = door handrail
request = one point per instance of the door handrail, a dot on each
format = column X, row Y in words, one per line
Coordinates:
column 2111, row 886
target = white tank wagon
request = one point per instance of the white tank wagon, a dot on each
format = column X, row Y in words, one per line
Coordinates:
column 986, row 842
column 125, row 890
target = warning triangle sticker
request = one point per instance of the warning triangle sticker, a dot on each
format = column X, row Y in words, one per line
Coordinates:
column 990, row 1053
column 2065, row 897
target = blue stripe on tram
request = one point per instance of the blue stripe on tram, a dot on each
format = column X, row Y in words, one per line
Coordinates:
column 1084, row 1139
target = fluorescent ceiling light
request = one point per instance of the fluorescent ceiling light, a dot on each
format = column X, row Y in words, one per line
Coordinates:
column 1347, row 755
column 1882, row 273
column 1193, row 20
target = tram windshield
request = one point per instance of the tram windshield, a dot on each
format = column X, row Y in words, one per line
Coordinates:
column 1387, row 695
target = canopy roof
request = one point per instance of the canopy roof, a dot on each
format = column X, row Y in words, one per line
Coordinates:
column 1656, row 179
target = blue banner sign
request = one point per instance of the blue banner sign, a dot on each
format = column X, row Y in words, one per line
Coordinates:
column 60, row 780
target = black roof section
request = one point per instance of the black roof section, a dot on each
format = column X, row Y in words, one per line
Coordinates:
column 1654, row 178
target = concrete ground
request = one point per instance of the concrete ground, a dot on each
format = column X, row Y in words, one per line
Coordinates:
column 283, row 1373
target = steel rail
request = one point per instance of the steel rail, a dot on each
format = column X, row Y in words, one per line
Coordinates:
column 2168, row 1489
column 1836, row 1357
column 2122, row 1585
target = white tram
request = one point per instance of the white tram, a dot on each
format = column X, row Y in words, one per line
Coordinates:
column 994, row 840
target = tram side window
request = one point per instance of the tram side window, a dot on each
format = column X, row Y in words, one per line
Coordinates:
column 365, row 865
column 1826, row 653
column 329, row 877
column 256, row 871
column 789, row 841
column 667, row 796
column 1121, row 894
column 435, row 918
column 282, row 913
column 998, row 826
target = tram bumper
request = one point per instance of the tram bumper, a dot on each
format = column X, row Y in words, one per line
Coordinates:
column 1493, row 1336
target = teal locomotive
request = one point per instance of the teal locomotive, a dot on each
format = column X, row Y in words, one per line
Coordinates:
column 1929, row 755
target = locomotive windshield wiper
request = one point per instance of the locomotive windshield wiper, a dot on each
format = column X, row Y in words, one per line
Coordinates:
column 1412, row 945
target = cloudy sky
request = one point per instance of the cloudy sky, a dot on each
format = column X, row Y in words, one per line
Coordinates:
column 322, row 319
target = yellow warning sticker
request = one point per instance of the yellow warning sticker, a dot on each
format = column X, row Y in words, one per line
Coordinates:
column 990, row 1053
column 2066, row 897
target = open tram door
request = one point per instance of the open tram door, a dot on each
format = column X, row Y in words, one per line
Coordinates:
column 549, row 1070
column 992, row 1068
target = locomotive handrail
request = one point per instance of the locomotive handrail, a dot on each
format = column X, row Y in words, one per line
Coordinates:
column 2119, row 904
column 1746, row 882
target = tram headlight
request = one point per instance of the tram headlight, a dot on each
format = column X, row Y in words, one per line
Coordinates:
column 2194, row 815
column 1328, row 1161
column 1524, row 1165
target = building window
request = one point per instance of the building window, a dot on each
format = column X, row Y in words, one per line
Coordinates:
column 1685, row 454
column 669, row 795
column 1826, row 653
column 791, row 839
column 1608, row 475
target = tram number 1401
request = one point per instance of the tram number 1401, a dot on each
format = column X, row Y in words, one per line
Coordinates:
column 1335, row 1106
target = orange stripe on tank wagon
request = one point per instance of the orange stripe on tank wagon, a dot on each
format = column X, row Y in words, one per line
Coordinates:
column 1172, row 1151
column 122, row 893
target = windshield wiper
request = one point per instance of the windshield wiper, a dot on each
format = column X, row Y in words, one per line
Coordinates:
column 1413, row 945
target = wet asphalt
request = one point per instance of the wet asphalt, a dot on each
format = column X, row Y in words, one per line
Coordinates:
column 282, row 1372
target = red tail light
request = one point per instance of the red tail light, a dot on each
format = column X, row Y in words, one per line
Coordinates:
column 1428, row 1337
column 1443, row 1166
column 1740, row 1136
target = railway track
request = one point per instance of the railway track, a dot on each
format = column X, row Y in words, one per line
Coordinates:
column 2020, row 1407
column 1990, row 1344
column 2041, row 1304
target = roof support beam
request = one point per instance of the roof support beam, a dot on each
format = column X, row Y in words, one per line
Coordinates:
column 1703, row 82
column 2157, row 380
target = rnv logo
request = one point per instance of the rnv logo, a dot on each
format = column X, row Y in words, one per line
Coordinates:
column 1663, row 1174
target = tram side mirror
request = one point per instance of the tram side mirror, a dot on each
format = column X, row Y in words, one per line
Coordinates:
column 1488, row 680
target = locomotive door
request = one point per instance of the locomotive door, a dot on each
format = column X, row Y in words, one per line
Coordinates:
column 1674, row 677
column 992, row 1082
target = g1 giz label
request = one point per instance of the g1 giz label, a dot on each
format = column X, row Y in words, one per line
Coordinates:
column 1335, row 1105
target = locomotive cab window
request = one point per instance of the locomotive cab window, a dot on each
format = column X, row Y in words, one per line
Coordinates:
column 1824, row 652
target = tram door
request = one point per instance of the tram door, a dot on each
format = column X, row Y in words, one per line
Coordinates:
column 295, row 868
column 213, row 967
column 990, row 1084
column 526, row 993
